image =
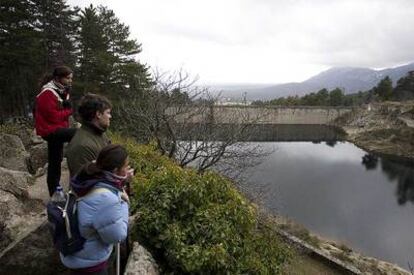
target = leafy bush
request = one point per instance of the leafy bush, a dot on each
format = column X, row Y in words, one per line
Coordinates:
column 198, row 223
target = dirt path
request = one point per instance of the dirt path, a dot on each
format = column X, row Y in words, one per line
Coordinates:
column 32, row 252
column 38, row 190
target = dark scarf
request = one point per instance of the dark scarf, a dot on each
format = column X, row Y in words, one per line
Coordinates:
column 82, row 183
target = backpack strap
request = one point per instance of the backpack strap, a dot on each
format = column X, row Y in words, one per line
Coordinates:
column 66, row 218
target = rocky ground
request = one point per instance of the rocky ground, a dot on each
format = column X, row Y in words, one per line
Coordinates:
column 25, row 242
column 384, row 128
column 346, row 260
column 19, row 211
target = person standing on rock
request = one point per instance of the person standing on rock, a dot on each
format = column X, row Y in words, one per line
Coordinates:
column 51, row 114
column 102, row 210
column 95, row 114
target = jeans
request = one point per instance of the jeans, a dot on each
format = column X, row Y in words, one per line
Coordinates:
column 55, row 143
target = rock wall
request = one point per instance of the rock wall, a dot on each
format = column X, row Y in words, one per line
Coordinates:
column 261, row 115
column 17, row 210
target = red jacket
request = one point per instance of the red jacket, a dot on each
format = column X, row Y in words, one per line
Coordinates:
column 49, row 113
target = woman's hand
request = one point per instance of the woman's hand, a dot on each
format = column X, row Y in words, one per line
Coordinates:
column 130, row 174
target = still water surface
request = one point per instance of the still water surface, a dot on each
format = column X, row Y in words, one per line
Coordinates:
column 340, row 192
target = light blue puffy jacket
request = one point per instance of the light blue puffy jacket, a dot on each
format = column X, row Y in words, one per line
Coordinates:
column 103, row 222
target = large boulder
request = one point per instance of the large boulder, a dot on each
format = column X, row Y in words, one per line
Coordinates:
column 15, row 182
column 12, row 153
column 16, row 209
column 34, row 254
column 38, row 157
column 141, row 262
column 26, row 134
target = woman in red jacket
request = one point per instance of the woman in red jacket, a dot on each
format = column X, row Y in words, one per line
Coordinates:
column 52, row 112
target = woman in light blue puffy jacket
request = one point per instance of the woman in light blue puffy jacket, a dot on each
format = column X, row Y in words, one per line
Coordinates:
column 102, row 210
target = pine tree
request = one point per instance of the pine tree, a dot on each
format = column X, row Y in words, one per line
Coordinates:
column 336, row 97
column 405, row 87
column 20, row 56
column 57, row 23
column 384, row 88
column 107, row 55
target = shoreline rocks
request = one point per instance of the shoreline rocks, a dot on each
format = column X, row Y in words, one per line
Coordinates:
column 383, row 128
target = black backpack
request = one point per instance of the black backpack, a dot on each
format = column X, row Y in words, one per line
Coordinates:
column 64, row 225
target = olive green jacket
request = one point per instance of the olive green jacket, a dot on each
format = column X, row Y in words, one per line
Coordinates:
column 84, row 147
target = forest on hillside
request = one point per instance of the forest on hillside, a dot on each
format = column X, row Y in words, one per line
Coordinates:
column 383, row 91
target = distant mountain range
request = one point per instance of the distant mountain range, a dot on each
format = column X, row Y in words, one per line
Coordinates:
column 349, row 79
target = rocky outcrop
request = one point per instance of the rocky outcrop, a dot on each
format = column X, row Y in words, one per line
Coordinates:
column 141, row 262
column 344, row 259
column 13, row 154
column 385, row 128
column 15, row 182
column 37, row 158
column 33, row 254
column 17, row 211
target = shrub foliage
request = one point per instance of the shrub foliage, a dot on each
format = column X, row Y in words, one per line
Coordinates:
column 199, row 224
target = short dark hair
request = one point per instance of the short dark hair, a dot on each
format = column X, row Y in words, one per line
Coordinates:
column 92, row 103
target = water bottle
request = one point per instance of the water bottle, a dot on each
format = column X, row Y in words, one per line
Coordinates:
column 58, row 196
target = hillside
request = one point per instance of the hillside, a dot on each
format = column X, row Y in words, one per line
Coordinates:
column 350, row 79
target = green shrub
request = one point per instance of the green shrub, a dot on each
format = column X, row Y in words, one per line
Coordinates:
column 199, row 224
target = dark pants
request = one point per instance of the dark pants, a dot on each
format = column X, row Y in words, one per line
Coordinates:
column 55, row 143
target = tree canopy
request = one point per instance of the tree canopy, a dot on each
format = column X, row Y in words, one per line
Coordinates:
column 37, row 35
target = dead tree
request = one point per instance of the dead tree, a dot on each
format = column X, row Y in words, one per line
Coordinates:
column 180, row 118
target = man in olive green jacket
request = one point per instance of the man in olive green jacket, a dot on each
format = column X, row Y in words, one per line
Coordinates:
column 95, row 113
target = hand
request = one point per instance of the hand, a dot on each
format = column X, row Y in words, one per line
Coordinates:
column 68, row 89
column 130, row 174
column 66, row 104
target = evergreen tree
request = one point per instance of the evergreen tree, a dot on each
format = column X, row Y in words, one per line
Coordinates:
column 322, row 97
column 384, row 88
column 35, row 35
column 20, row 56
column 405, row 87
column 336, row 97
column 58, row 24
column 107, row 55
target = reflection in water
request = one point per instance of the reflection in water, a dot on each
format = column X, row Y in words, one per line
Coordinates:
column 329, row 191
column 404, row 173
column 331, row 143
column 370, row 161
column 272, row 132
column 396, row 169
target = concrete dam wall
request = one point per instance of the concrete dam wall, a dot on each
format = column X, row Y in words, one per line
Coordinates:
column 261, row 115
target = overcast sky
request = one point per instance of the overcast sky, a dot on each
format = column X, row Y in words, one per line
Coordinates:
column 267, row 41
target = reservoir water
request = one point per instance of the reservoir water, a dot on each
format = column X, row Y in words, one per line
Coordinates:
column 341, row 192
